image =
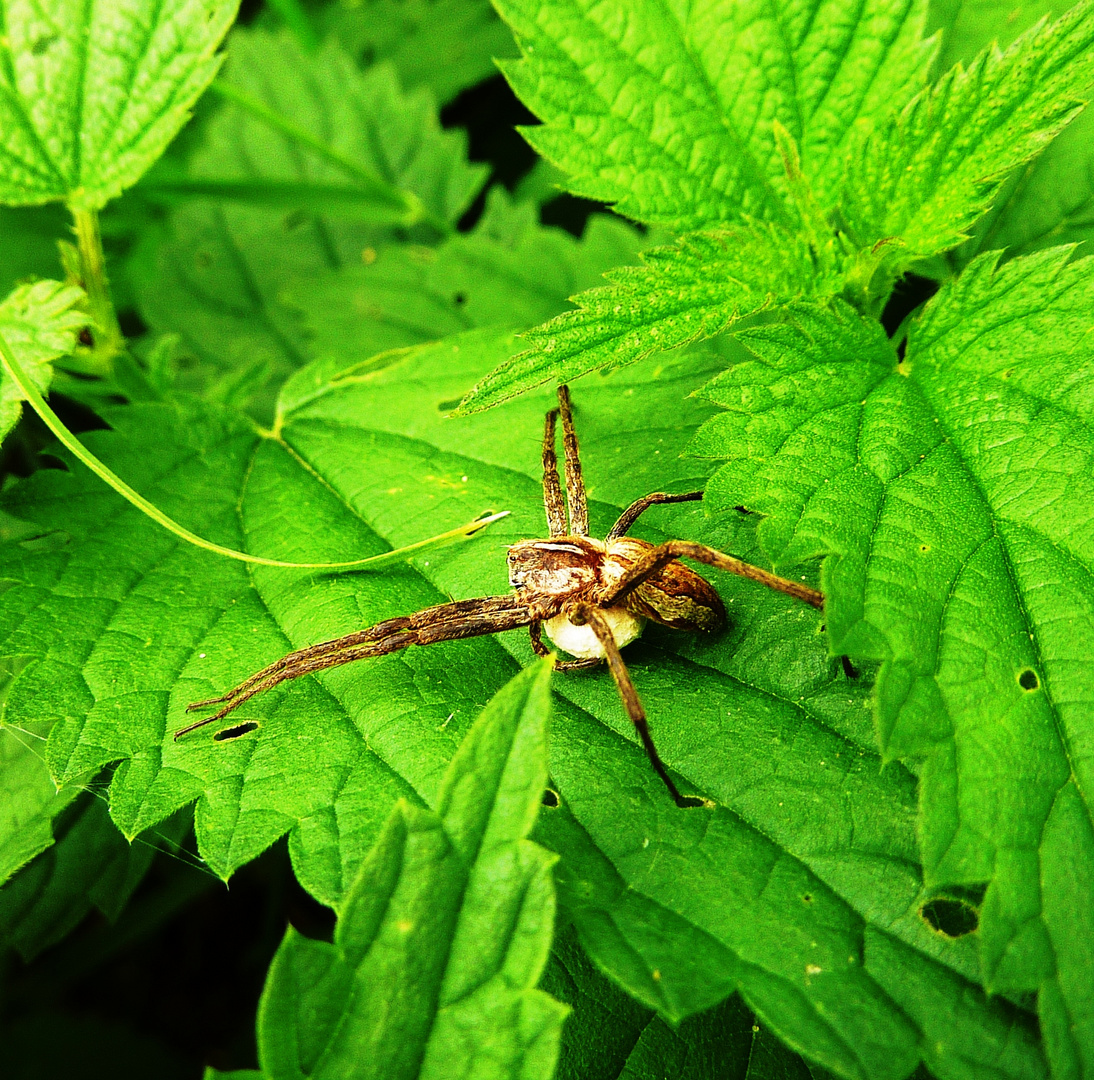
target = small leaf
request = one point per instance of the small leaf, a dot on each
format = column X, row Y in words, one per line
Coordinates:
column 444, row 934
column 694, row 290
column 92, row 91
column 40, row 323
column 928, row 174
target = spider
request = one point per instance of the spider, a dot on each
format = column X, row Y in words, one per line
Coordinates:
column 591, row 596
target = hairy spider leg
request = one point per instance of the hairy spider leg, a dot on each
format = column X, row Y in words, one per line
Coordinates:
column 586, row 613
column 640, row 506
column 575, row 485
column 664, row 553
column 534, row 631
column 552, row 490
column 445, row 622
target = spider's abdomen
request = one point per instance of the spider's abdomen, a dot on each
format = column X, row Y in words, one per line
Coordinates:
column 582, row 642
column 675, row 596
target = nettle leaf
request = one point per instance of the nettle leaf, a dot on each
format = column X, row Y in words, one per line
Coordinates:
column 443, row 935
column 667, row 112
column 799, row 885
column 610, row 1036
column 92, row 92
column 952, row 494
column 39, row 322
column 1051, row 200
column 215, row 273
column 926, row 176
column 694, row 290
column 445, row 45
column 509, row 272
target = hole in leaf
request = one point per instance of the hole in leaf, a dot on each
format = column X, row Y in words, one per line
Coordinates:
column 952, row 918
column 688, row 801
column 743, row 510
column 236, row 731
column 807, row 898
column 459, row 299
column 550, row 798
column 1028, row 680
column 849, row 669
column 924, row 547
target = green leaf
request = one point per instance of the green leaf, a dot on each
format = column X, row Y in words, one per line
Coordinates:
column 667, row 112
column 694, row 290
column 610, row 1036
column 39, row 322
column 90, row 865
column 443, row 935
column 216, row 272
column 445, row 45
column 28, row 243
column 92, row 92
column 508, row 272
column 951, row 492
column 808, row 859
column 929, row 173
column 1051, row 200
column 29, row 800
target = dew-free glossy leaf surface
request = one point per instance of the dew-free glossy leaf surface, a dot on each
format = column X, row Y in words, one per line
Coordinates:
column 92, row 91
column 951, row 494
column 801, row 887
column 443, row 935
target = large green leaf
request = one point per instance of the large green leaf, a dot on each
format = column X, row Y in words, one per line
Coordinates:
column 799, row 885
column 92, row 91
column 443, row 935
column 952, row 494
column 39, row 322
column 667, row 111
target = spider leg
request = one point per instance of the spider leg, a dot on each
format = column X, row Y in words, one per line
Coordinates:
column 664, row 553
column 640, row 506
column 552, row 490
column 445, row 622
column 575, row 485
column 586, row 613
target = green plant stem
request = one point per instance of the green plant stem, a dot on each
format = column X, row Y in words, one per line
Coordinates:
column 67, row 439
column 109, row 340
column 414, row 209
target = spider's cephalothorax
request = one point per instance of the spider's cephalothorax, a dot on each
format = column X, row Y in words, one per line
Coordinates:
column 591, row 596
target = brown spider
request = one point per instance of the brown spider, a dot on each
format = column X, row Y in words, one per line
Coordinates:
column 591, row 596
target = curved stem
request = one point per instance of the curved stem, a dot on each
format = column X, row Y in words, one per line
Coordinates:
column 78, row 450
